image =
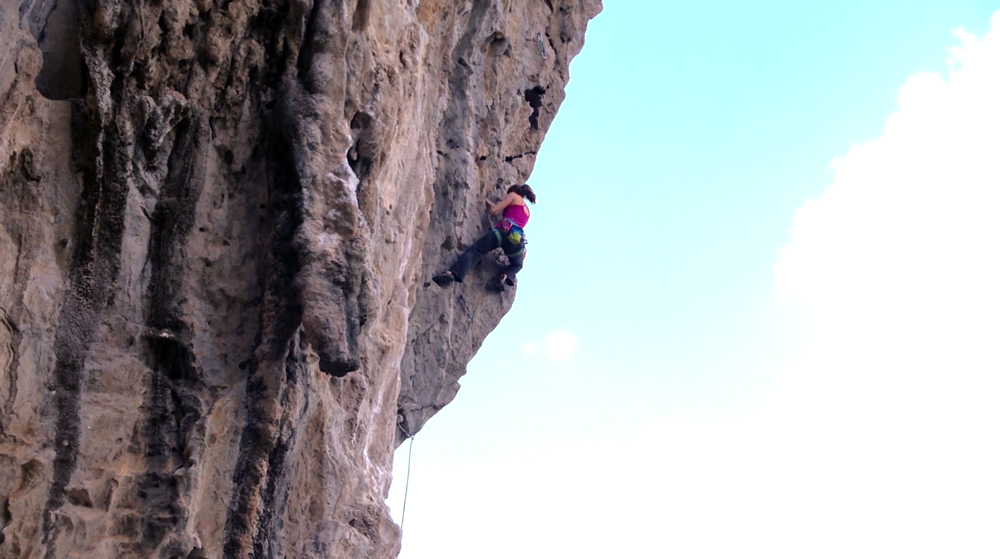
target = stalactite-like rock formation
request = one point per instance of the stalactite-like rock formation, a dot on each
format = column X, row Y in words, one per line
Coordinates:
column 218, row 219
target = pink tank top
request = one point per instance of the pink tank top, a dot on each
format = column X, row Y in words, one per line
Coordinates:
column 517, row 214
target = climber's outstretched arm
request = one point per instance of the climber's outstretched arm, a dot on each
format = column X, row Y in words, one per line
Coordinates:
column 495, row 209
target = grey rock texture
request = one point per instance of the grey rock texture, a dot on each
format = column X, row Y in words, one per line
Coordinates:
column 218, row 222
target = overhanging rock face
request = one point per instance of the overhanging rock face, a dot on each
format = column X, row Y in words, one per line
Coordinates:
column 218, row 222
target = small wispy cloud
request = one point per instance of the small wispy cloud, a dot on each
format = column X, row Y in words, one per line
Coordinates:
column 559, row 346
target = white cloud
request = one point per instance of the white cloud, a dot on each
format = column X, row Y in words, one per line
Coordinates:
column 559, row 346
column 880, row 441
column 897, row 268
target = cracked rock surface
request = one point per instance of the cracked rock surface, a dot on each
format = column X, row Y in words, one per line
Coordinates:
column 218, row 224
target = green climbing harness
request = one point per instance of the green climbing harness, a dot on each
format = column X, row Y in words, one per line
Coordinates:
column 510, row 236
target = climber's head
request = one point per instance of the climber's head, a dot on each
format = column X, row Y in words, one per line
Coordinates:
column 524, row 191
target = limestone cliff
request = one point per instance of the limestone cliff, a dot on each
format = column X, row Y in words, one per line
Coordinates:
column 218, row 219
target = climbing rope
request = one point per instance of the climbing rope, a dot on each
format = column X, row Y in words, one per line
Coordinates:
column 471, row 313
column 406, row 491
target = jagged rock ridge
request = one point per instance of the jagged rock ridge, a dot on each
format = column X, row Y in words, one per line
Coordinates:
column 217, row 222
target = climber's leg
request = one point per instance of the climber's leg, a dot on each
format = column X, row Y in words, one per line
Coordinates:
column 516, row 258
column 468, row 259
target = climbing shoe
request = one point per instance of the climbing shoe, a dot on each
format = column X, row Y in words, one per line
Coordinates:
column 444, row 279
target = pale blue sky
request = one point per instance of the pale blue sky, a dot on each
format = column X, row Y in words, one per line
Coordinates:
column 690, row 136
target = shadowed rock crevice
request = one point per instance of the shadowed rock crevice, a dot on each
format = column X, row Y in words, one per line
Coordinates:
column 305, row 53
column 511, row 158
column 55, row 26
column 361, row 156
column 534, row 98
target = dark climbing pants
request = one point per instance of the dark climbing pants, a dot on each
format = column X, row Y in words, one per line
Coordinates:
column 486, row 243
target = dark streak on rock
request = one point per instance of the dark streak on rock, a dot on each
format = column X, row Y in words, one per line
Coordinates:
column 268, row 541
column 172, row 400
column 275, row 407
column 305, row 54
column 282, row 295
column 94, row 271
column 250, row 525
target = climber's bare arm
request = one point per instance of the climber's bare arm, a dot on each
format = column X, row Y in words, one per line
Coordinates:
column 495, row 209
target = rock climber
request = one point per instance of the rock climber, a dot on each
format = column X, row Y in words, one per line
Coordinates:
column 508, row 233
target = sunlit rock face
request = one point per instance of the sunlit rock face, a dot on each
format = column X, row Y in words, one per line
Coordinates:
column 218, row 222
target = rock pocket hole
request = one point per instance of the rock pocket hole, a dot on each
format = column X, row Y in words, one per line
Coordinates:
column 58, row 35
column 80, row 498
column 30, row 473
column 361, row 155
column 534, row 98
column 498, row 45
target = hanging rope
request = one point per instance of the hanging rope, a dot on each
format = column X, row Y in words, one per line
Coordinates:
column 409, row 458
column 406, row 491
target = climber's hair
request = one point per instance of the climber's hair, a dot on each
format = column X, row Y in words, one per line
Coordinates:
column 523, row 191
